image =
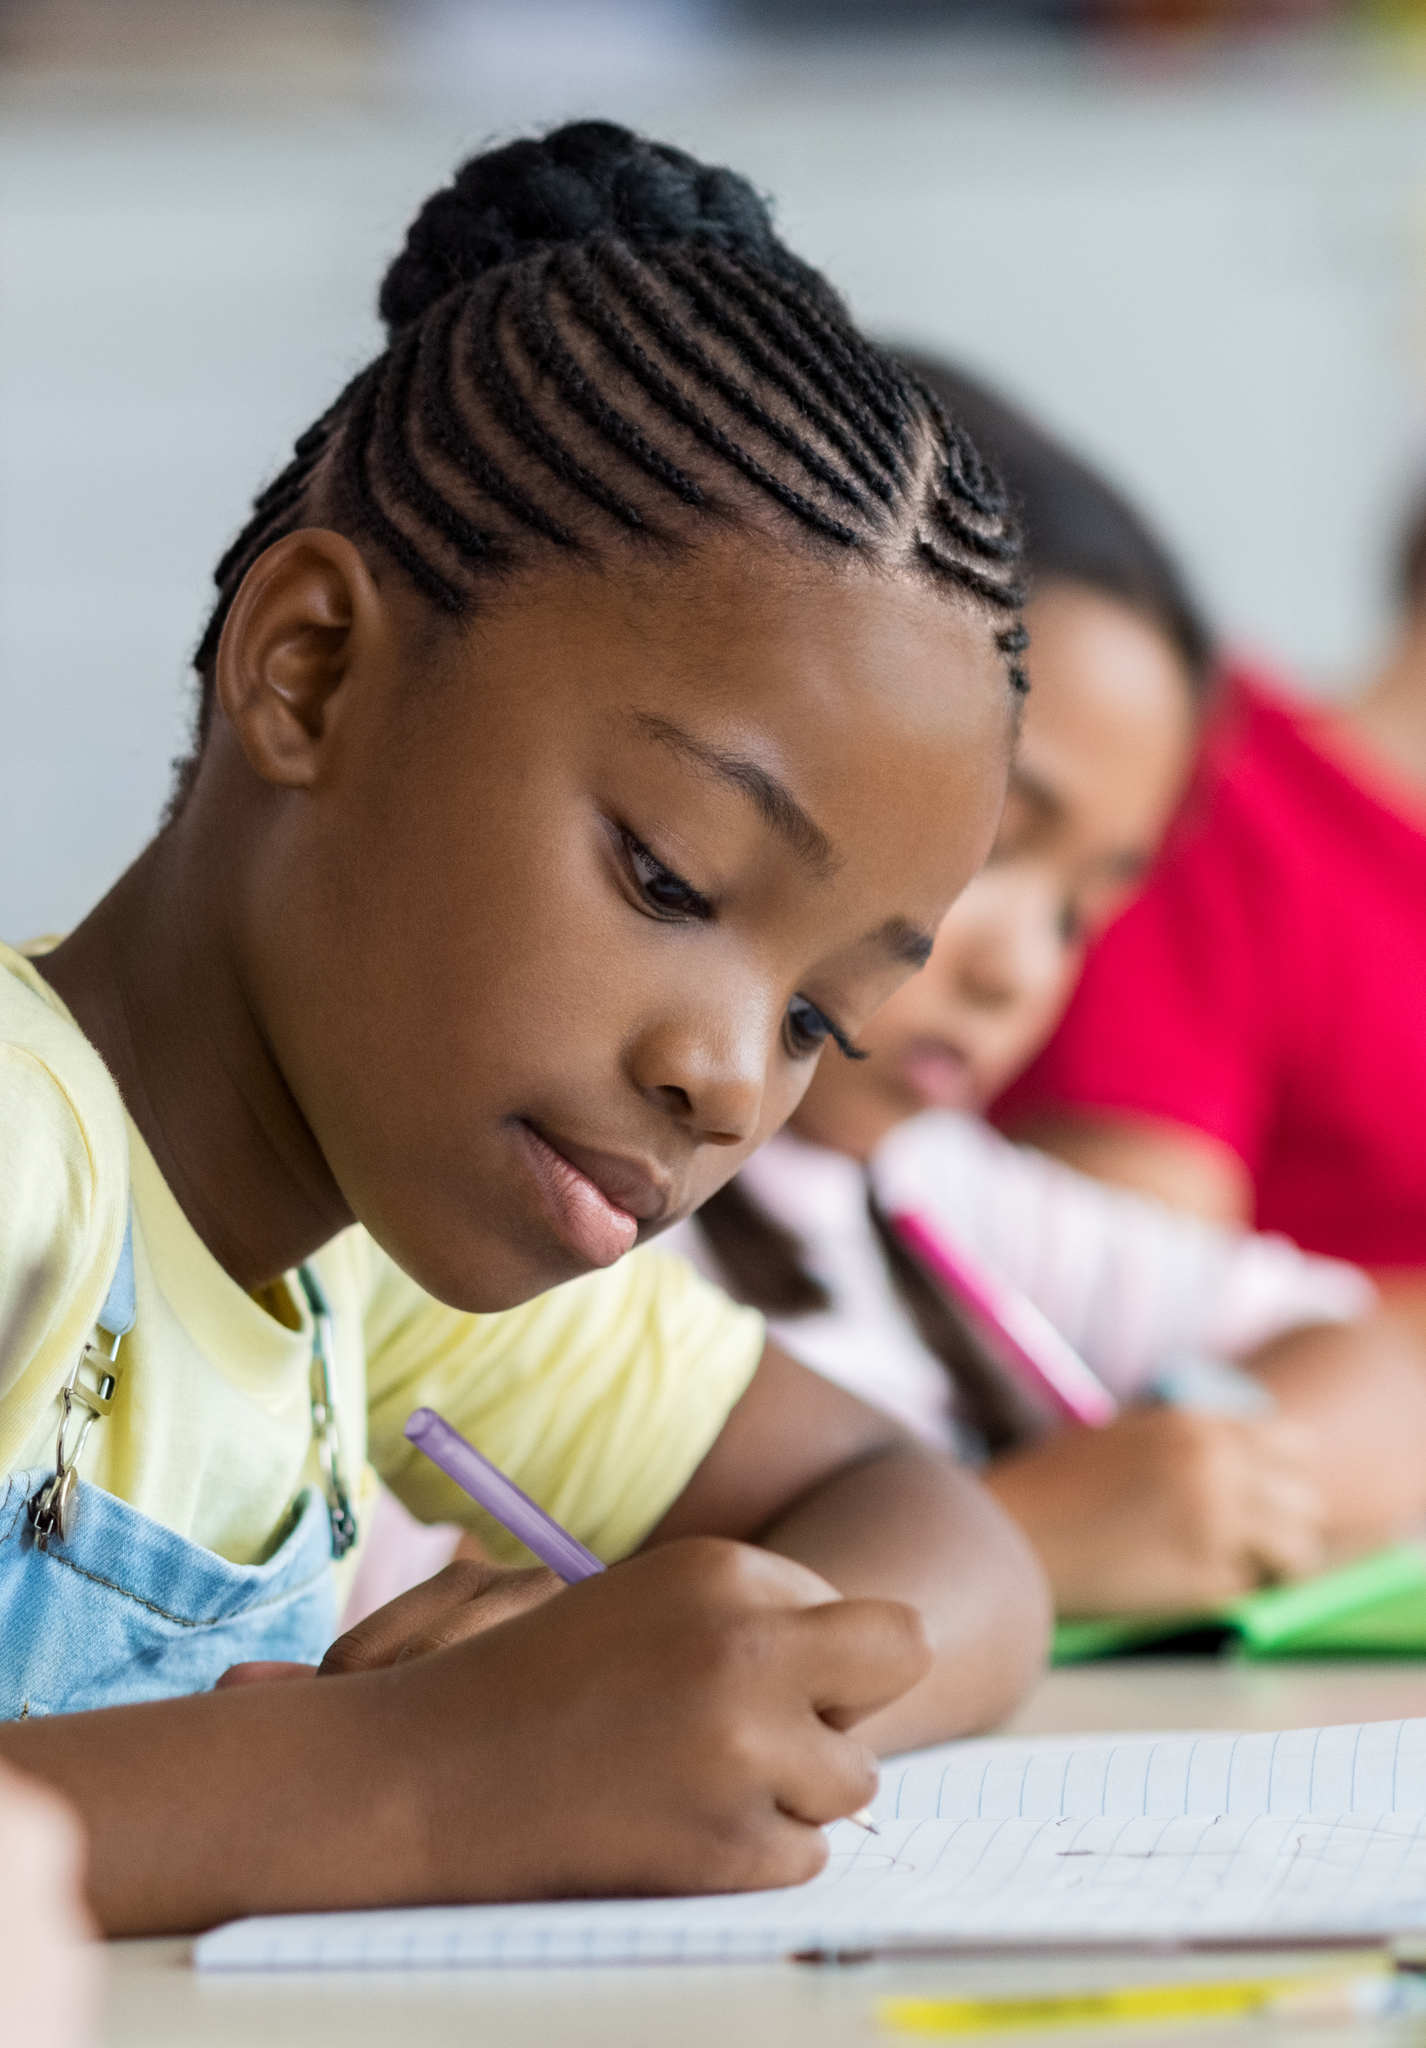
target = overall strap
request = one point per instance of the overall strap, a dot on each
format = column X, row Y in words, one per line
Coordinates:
column 121, row 1302
column 52, row 1508
column 324, row 1415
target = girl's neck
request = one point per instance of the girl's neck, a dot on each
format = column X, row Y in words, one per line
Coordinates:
column 1389, row 716
column 152, row 980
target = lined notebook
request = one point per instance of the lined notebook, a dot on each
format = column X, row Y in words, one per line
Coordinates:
column 1310, row 1833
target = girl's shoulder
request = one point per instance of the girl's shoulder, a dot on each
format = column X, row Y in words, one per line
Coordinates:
column 64, row 1194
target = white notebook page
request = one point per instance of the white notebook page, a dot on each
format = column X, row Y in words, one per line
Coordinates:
column 1374, row 1767
column 1312, row 1832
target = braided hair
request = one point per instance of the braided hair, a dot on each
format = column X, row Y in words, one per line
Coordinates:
column 1077, row 527
column 596, row 342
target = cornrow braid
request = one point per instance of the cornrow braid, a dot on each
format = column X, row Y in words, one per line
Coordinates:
column 684, row 348
column 819, row 365
column 449, row 436
column 625, row 348
column 876, row 467
column 541, row 337
column 596, row 342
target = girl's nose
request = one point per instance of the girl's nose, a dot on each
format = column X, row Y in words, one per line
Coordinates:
column 709, row 1077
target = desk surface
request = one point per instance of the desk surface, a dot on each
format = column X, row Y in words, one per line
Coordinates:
column 157, row 2001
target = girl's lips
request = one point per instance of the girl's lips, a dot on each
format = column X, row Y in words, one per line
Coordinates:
column 590, row 1224
column 939, row 1074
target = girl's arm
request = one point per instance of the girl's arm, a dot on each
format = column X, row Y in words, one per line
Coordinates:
column 671, row 1726
column 1171, row 1163
column 1358, row 1391
column 804, row 1468
column 1124, row 1280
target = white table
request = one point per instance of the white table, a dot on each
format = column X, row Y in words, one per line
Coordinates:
column 157, row 2001
column 1206, row 1692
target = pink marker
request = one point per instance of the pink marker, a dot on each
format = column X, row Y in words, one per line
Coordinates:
column 1027, row 1341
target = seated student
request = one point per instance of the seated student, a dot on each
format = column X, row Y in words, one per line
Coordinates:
column 581, row 712
column 50, row 1963
column 1246, row 1041
column 1163, row 1509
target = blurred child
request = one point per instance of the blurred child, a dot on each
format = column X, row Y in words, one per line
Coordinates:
column 581, row 713
column 50, row 1962
column 1163, row 1509
column 1246, row 1040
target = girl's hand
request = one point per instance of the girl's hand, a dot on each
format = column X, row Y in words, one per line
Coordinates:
column 469, row 1595
column 677, row 1724
column 1167, row 1510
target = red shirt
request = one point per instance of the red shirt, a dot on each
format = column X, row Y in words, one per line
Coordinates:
column 1269, row 986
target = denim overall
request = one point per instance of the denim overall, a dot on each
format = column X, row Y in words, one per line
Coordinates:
column 100, row 1606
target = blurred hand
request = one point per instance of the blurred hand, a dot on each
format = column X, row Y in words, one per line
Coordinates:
column 51, row 1968
column 1167, row 1510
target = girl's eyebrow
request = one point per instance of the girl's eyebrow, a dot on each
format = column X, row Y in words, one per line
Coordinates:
column 773, row 799
column 904, row 941
column 898, row 936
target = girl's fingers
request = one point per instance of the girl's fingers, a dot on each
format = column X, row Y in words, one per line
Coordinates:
column 859, row 1655
column 1283, row 1534
column 464, row 1599
column 1278, row 1560
column 824, row 1776
column 1279, row 1443
column 265, row 1672
column 784, row 1849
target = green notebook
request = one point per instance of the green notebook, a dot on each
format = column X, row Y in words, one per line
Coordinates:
column 1373, row 1608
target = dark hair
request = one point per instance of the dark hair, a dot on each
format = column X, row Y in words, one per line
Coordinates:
column 595, row 341
column 764, row 1264
column 1411, row 559
column 1077, row 527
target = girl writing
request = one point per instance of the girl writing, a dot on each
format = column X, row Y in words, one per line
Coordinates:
column 597, row 717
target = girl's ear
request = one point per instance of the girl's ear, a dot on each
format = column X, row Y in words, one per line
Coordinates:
column 287, row 646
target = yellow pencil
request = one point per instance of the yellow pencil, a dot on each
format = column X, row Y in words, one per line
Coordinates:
column 1093, row 2008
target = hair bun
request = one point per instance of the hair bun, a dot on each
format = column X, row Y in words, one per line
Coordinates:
column 590, row 178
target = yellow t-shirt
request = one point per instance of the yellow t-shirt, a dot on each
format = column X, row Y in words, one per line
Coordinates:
column 600, row 1398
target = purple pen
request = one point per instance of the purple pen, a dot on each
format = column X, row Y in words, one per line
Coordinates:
column 515, row 1511
column 501, row 1497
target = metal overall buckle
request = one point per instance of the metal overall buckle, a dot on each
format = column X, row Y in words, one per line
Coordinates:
column 53, row 1508
column 340, row 1512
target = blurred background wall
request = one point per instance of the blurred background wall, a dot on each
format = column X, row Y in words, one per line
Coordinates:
column 1193, row 236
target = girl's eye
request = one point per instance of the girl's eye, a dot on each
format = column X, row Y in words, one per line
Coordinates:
column 667, row 892
column 808, row 1029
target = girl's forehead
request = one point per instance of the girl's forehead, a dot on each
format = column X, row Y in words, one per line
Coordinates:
column 1093, row 654
column 860, row 725
column 752, row 633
